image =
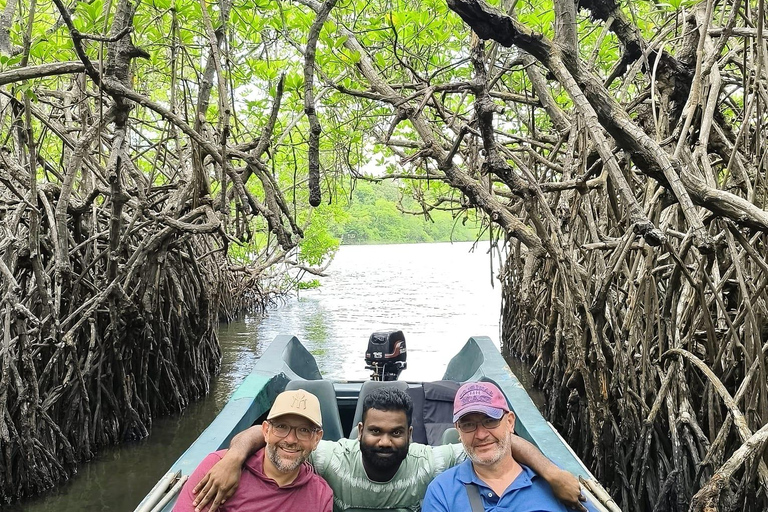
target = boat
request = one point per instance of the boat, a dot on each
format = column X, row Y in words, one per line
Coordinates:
column 286, row 364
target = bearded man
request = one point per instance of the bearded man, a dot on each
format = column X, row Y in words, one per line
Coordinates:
column 277, row 477
column 490, row 478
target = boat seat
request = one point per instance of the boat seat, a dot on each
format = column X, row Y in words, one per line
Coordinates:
column 419, row 434
column 323, row 390
column 438, row 408
column 450, row 436
column 367, row 387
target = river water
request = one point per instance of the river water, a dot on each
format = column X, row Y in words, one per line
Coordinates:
column 438, row 294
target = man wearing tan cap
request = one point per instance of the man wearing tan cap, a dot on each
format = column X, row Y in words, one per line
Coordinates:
column 277, row 477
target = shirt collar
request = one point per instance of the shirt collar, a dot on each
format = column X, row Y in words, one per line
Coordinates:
column 465, row 474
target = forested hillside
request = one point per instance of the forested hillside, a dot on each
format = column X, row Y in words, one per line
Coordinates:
column 384, row 213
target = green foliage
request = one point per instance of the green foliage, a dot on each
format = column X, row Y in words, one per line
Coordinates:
column 89, row 16
column 409, row 41
column 419, row 52
column 308, row 285
column 676, row 5
column 373, row 216
column 319, row 244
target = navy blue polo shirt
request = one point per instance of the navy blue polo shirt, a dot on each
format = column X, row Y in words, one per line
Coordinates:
column 527, row 493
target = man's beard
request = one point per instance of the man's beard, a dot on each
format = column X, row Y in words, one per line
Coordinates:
column 501, row 447
column 372, row 456
column 285, row 465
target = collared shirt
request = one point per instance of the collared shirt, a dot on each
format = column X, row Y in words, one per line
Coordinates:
column 341, row 464
column 527, row 493
column 259, row 493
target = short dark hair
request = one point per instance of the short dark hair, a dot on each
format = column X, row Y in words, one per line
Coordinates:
column 389, row 399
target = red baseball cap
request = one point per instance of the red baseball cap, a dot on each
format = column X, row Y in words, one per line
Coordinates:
column 482, row 397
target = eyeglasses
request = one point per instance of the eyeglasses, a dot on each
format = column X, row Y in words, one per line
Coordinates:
column 302, row 433
column 471, row 426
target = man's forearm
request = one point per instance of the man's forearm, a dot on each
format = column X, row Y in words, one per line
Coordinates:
column 246, row 443
column 564, row 485
column 527, row 454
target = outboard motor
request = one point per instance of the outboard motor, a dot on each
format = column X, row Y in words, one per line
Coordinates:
column 386, row 355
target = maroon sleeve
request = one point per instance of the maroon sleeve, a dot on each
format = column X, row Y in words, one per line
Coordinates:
column 184, row 503
column 320, row 494
column 328, row 503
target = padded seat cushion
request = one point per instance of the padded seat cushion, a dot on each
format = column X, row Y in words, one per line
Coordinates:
column 419, row 433
column 438, row 408
column 450, row 436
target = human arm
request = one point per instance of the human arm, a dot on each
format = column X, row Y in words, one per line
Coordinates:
column 328, row 503
column 220, row 482
column 564, row 485
column 184, row 503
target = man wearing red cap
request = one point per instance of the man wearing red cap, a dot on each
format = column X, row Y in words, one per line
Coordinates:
column 276, row 478
column 490, row 478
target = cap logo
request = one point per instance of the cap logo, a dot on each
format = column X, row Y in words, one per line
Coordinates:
column 476, row 394
column 299, row 402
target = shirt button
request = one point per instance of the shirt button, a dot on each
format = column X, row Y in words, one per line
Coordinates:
column 490, row 495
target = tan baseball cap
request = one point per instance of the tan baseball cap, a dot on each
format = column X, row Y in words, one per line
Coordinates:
column 299, row 402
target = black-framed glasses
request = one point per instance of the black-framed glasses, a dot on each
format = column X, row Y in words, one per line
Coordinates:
column 283, row 430
column 471, row 426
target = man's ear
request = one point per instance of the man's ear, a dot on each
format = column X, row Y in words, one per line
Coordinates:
column 318, row 437
column 410, row 434
column 360, row 430
column 511, row 420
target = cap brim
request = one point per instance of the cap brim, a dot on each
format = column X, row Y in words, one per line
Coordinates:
column 493, row 412
column 294, row 413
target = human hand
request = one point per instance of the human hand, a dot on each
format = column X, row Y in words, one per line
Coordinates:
column 567, row 489
column 218, row 485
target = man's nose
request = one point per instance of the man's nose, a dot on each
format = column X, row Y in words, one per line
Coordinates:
column 292, row 437
column 385, row 441
column 482, row 432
